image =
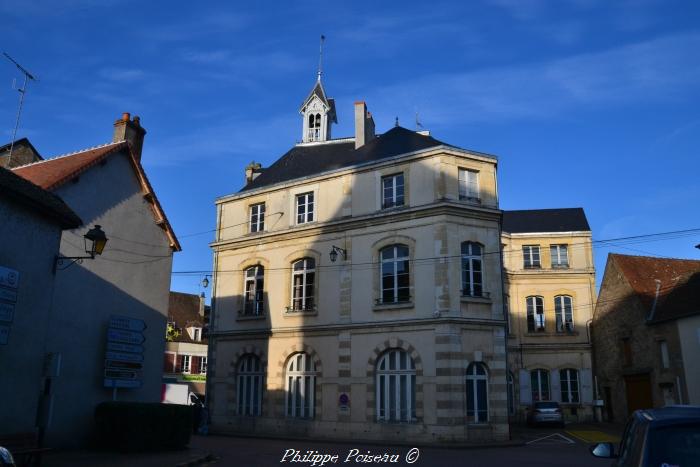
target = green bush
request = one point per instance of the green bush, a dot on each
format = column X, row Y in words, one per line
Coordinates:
column 139, row 426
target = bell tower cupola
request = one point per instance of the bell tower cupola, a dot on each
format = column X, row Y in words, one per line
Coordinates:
column 318, row 111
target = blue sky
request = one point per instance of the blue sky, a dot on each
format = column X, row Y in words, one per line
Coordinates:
column 586, row 102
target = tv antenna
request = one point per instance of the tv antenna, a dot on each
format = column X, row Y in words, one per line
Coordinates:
column 22, row 91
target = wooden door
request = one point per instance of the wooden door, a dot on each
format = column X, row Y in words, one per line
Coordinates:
column 638, row 389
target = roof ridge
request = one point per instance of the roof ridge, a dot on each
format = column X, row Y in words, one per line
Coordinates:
column 68, row 154
column 663, row 258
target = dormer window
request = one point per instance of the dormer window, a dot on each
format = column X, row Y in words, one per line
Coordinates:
column 197, row 334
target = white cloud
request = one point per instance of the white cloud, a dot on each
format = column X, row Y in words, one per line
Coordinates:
column 651, row 71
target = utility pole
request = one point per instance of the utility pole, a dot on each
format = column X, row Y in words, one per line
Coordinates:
column 22, row 91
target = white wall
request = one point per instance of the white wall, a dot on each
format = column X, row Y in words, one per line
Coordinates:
column 131, row 278
column 689, row 333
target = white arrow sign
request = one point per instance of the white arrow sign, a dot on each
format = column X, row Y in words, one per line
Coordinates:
column 126, row 323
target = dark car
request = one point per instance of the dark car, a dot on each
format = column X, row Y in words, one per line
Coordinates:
column 545, row 412
column 657, row 437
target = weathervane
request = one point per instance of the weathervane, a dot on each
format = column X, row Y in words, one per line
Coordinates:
column 320, row 57
column 22, row 91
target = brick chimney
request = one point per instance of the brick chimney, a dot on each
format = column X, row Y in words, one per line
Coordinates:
column 364, row 125
column 126, row 129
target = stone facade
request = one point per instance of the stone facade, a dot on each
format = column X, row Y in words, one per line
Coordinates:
column 352, row 330
column 639, row 359
column 554, row 348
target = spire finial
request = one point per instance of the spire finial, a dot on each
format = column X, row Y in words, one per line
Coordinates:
column 396, row 123
column 320, row 57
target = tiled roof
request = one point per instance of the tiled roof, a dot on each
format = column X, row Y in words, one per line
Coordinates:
column 36, row 198
column 52, row 173
column 545, row 220
column 183, row 310
column 679, row 288
column 305, row 160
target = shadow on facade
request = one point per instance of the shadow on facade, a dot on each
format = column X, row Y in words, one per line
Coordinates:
column 628, row 333
column 398, row 293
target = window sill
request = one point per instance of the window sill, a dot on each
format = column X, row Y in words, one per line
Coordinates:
column 560, row 267
column 550, row 334
column 242, row 317
column 393, row 208
column 392, row 306
column 473, row 299
column 289, row 313
column 470, row 199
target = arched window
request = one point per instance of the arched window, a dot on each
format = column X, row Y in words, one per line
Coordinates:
column 303, row 281
column 568, row 378
column 563, row 311
column 250, row 385
column 539, row 382
column 254, row 291
column 396, row 387
column 535, row 314
column 300, row 386
column 472, row 271
column 477, row 393
column 395, row 284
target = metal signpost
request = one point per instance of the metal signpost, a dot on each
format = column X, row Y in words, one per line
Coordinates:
column 9, row 281
column 124, row 355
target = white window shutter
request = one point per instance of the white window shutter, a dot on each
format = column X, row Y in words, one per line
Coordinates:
column 525, row 390
column 555, row 393
column 586, row 386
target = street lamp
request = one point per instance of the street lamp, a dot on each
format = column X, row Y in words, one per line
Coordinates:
column 95, row 241
column 334, row 253
column 205, row 281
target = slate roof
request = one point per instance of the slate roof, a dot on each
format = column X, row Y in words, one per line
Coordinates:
column 679, row 293
column 45, row 203
column 183, row 310
column 306, row 160
column 545, row 220
column 52, row 173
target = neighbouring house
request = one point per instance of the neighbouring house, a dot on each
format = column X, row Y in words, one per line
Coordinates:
column 356, row 290
column 549, row 283
column 22, row 151
column 186, row 341
column 32, row 222
column 106, row 186
column 646, row 334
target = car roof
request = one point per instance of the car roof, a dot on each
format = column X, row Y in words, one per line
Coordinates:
column 673, row 413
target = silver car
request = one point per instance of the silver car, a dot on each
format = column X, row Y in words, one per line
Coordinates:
column 545, row 412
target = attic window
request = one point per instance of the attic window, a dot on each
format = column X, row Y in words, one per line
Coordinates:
column 197, row 334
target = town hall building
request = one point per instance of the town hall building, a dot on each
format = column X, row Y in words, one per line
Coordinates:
column 358, row 290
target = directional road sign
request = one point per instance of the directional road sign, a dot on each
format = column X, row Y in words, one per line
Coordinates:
column 126, row 323
column 7, row 312
column 127, row 337
column 124, row 357
column 9, row 277
column 121, row 347
column 122, row 383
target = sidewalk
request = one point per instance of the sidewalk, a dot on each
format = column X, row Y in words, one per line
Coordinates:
column 194, row 455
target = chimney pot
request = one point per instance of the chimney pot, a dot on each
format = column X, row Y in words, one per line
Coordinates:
column 131, row 131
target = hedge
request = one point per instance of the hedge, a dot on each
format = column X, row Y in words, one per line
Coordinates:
column 139, row 426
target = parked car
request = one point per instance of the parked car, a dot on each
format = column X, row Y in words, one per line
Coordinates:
column 545, row 412
column 657, row 437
